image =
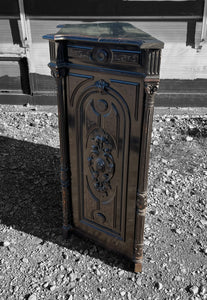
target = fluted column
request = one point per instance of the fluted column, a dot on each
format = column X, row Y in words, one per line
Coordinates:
column 60, row 74
column 141, row 201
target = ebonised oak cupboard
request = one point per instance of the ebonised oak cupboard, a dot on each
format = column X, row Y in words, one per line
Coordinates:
column 107, row 75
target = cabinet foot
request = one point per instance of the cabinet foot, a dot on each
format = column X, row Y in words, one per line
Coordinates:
column 66, row 232
column 138, row 267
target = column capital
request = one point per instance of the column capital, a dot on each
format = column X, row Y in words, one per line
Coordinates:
column 58, row 72
column 151, row 87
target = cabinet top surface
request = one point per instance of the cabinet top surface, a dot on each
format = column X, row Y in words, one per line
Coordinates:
column 115, row 32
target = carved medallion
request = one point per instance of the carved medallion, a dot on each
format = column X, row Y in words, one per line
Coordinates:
column 101, row 55
column 100, row 161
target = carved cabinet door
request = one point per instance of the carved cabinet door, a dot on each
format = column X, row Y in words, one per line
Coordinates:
column 105, row 115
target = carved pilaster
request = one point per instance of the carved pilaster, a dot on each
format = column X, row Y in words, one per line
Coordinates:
column 64, row 153
column 150, row 89
column 141, row 201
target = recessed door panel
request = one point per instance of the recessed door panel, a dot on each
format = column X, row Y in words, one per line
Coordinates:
column 103, row 153
column 100, row 143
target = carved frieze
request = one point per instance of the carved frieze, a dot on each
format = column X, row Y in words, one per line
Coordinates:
column 81, row 53
column 121, row 57
column 103, row 55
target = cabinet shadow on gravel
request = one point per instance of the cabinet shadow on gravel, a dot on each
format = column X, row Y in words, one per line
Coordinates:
column 30, row 196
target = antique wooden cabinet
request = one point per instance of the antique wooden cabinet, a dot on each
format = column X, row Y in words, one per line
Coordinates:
column 107, row 75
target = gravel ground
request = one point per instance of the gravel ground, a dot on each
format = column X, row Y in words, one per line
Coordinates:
column 36, row 263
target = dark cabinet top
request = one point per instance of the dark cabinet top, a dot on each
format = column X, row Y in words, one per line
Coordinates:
column 109, row 32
